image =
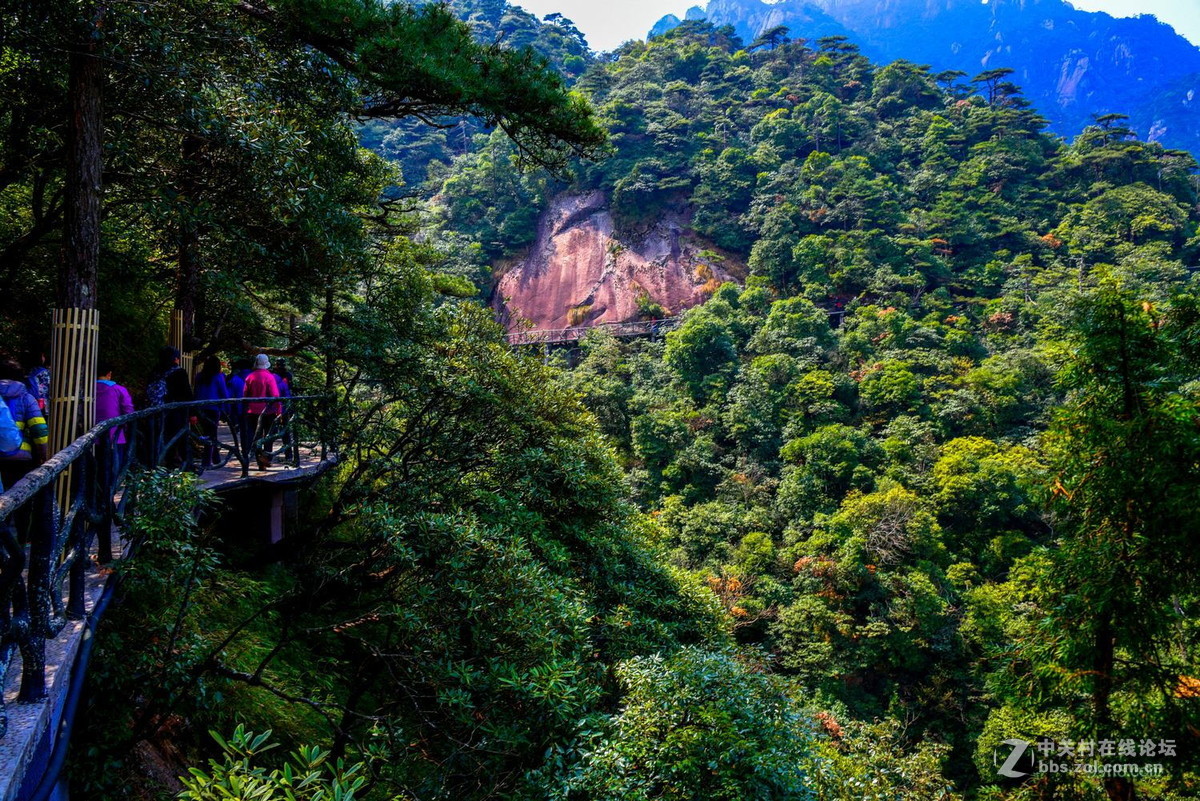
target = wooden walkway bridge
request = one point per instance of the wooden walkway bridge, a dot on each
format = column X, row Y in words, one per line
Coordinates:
column 559, row 336
column 626, row 330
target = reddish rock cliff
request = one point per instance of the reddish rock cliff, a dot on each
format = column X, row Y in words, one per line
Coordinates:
column 579, row 273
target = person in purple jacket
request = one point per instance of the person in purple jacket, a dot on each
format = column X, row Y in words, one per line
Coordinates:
column 112, row 400
column 210, row 385
column 283, row 378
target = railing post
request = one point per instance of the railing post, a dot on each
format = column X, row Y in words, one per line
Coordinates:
column 43, row 538
column 185, row 440
column 247, row 433
column 108, row 452
column 14, row 605
column 324, row 417
column 78, row 536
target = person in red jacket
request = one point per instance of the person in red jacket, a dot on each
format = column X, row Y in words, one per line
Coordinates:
column 258, row 417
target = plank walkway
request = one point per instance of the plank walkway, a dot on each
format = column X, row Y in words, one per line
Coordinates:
column 557, row 336
column 626, row 330
column 229, row 476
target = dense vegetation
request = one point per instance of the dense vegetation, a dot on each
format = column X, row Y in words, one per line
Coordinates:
column 1073, row 62
column 785, row 554
column 963, row 501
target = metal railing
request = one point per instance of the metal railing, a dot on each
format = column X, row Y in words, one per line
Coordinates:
column 554, row 336
column 46, row 541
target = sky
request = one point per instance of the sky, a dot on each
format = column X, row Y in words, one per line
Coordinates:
column 608, row 23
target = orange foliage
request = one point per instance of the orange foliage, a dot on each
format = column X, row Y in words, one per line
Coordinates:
column 1188, row 687
column 1000, row 320
column 819, row 566
column 830, row 725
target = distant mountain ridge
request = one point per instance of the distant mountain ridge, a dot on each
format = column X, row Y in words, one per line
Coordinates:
column 1071, row 64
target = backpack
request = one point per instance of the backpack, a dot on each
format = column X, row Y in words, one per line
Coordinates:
column 9, row 433
column 156, row 390
column 39, row 385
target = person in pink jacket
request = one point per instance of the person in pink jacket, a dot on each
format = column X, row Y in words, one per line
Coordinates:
column 258, row 417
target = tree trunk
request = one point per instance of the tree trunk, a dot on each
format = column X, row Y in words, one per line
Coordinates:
column 1104, row 658
column 81, row 242
column 187, row 286
column 327, row 319
column 73, row 347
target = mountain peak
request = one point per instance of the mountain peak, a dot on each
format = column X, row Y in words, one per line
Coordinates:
column 1072, row 64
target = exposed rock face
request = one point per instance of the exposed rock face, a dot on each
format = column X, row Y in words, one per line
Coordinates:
column 579, row 273
column 671, row 21
column 752, row 18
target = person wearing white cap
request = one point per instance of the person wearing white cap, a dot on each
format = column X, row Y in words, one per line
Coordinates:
column 259, row 416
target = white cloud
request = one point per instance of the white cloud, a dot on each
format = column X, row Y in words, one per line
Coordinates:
column 1183, row 15
column 608, row 23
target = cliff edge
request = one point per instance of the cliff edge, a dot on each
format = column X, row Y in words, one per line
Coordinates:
column 580, row 272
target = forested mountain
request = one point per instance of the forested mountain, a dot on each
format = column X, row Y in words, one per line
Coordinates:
column 413, row 144
column 1072, row 64
column 837, row 179
column 913, row 454
column 917, row 477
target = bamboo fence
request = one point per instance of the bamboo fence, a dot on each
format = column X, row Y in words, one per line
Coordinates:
column 71, row 410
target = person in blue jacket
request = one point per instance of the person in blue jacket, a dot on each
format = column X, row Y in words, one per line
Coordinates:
column 10, row 435
column 210, row 385
column 237, row 379
column 27, row 416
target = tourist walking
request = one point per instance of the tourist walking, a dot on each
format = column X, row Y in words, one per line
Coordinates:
column 10, row 435
column 210, row 384
column 169, row 384
column 258, row 416
column 237, row 379
column 112, row 400
column 283, row 377
column 30, row 421
column 30, row 451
